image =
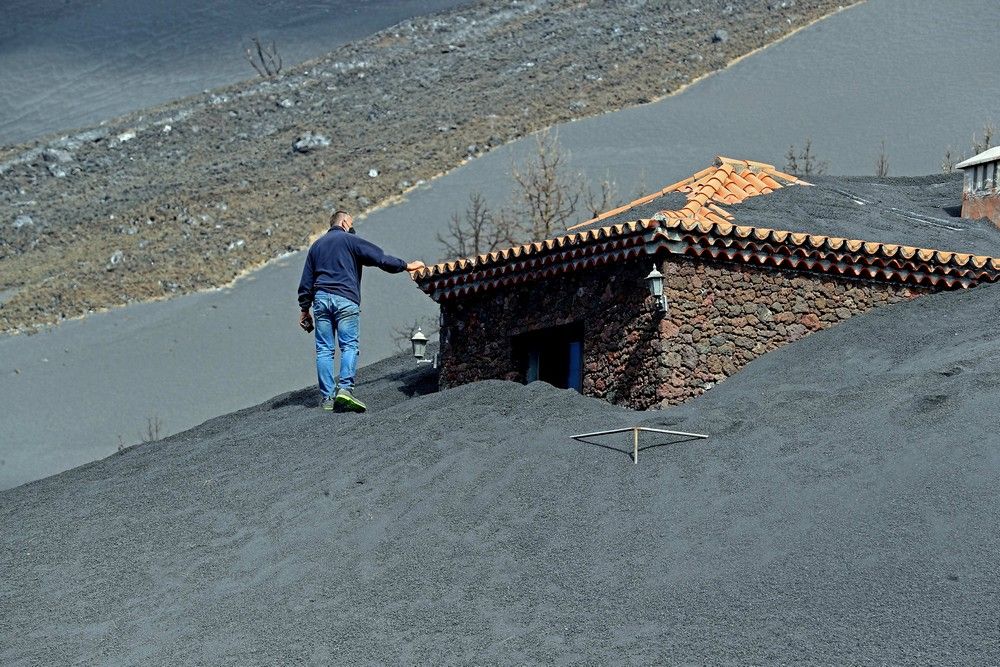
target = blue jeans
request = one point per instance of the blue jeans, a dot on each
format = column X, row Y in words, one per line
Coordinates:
column 335, row 314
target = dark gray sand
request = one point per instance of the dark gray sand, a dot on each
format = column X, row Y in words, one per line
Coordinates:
column 844, row 511
column 919, row 211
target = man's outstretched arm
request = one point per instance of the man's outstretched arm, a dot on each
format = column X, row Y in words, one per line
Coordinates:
column 371, row 255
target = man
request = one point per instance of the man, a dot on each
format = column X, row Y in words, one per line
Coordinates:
column 331, row 286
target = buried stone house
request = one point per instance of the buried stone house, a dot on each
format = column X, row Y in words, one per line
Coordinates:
column 981, row 188
column 749, row 259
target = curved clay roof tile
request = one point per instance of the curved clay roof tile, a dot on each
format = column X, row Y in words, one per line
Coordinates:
column 770, row 182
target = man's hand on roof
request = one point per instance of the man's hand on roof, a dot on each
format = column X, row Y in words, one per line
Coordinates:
column 414, row 266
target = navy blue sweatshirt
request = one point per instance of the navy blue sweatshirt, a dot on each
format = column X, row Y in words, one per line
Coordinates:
column 334, row 265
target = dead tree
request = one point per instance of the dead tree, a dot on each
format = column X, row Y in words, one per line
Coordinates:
column 265, row 60
column 641, row 188
column 791, row 160
column 478, row 230
column 545, row 200
column 605, row 200
column 804, row 163
column 882, row 162
column 152, row 434
column 546, row 197
column 978, row 146
column 949, row 161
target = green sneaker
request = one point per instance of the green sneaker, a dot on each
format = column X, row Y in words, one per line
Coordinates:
column 328, row 403
column 346, row 400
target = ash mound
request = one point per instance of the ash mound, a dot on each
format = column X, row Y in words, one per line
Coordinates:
column 843, row 511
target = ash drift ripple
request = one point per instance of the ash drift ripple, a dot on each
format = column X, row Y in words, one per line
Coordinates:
column 844, row 510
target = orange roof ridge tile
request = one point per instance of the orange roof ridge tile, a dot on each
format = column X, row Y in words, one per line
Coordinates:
column 787, row 177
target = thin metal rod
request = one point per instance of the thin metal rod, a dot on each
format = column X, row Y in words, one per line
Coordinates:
column 660, row 430
column 638, row 428
column 614, row 430
column 635, row 436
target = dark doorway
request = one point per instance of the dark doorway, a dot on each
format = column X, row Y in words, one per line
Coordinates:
column 553, row 355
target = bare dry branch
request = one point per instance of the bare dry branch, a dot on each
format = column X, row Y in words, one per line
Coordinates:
column 266, row 61
column 545, row 201
column 606, row 200
column 153, row 425
column 980, row 145
column 949, row 160
column 546, row 197
column 805, row 162
column 641, row 188
column 882, row 162
column 478, row 230
column 791, row 161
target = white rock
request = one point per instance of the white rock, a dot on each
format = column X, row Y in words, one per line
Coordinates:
column 23, row 220
column 373, row 173
column 309, row 142
column 57, row 155
column 115, row 260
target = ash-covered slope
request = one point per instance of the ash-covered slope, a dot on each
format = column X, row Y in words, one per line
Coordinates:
column 844, row 511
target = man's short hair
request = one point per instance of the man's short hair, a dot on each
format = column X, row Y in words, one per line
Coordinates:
column 338, row 216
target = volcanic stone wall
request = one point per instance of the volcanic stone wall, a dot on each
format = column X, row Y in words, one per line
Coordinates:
column 721, row 316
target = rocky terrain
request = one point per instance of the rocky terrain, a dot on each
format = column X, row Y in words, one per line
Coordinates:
column 189, row 195
column 842, row 511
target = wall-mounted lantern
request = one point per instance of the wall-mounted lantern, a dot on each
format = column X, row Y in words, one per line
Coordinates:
column 654, row 281
column 419, row 342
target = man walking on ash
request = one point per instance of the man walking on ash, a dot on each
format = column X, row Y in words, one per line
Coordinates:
column 331, row 285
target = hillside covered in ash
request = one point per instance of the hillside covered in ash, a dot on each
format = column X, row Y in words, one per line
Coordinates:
column 188, row 195
column 842, row 511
